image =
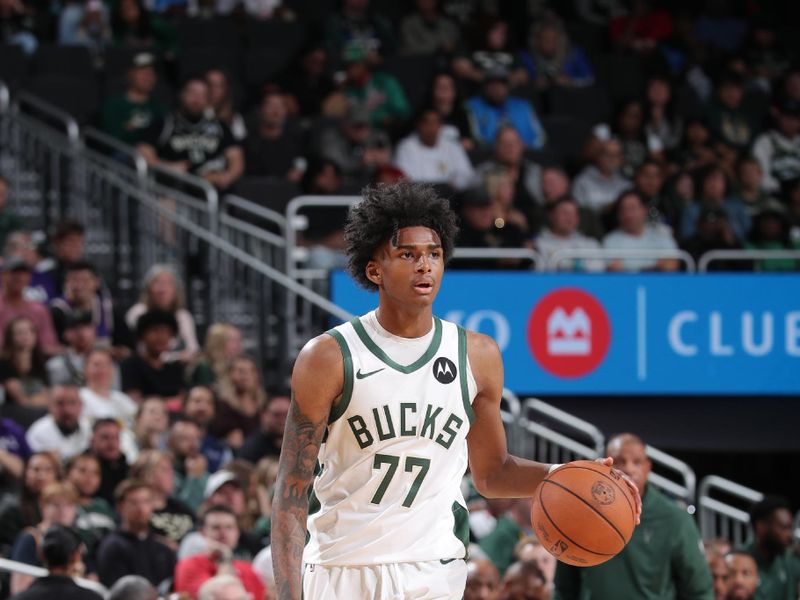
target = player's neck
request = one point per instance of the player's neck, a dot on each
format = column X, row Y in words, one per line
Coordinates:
column 406, row 322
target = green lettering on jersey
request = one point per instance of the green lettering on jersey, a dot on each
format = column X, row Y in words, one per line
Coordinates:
column 389, row 433
column 404, row 430
column 448, row 429
column 430, row 420
column 359, row 429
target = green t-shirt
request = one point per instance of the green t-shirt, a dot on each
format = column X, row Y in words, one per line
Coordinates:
column 383, row 98
column 128, row 121
column 779, row 578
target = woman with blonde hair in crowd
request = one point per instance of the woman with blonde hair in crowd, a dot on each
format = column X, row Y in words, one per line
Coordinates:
column 241, row 397
column 162, row 289
column 223, row 343
column 151, row 424
column 99, row 398
column 500, row 187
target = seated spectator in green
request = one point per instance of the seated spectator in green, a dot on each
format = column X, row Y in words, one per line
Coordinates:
column 95, row 516
column 9, row 221
column 129, row 115
column 778, row 566
column 499, row 544
column 771, row 232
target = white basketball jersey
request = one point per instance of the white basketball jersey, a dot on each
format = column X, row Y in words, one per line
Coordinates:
column 395, row 451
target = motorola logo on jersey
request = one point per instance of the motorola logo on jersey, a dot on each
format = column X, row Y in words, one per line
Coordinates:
column 569, row 333
column 444, row 370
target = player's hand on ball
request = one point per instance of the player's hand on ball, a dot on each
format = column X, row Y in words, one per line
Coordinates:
column 609, row 462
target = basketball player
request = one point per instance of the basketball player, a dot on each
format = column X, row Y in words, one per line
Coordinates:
column 387, row 411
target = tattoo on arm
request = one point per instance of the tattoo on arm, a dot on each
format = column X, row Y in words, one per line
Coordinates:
column 299, row 453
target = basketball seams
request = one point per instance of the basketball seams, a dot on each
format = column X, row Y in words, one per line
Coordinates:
column 553, row 523
column 611, row 479
column 597, row 512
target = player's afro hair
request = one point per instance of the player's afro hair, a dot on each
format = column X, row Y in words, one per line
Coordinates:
column 384, row 210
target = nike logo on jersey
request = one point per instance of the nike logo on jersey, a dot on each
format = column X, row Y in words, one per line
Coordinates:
column 360, row 375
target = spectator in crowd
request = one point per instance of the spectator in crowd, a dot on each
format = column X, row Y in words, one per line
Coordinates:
column 20, row 245
column 713, row 233
column 494, row 107
column 428, row 31
column 429, row 156
column 220, row 98
column 85, row 23
column 310, row 90
column 152, row 422
column 189, row 464
column 223, row 587
column 530, row 549
column 479, row 229
column 561, row 233
column 61, row 555
column 100, row 400
column 720, row 574
column 378, row 94
column 599, row 184
column 58, row 506
column 132, row 587
column 778, row 149
column 21, row 510
column 771, row 231
column 634, row 232
column 269, row 437
column 23, row 369
column 223, row 343
column 483, row 581
column 220, row 530
column 648, row 180
column 661, row 119
column 750, row 189
column 641, row 29
column 133, row 549
column 713, row 193
column 189, row 140
column 17, row 25
column 133, row 26
column 106, row 446
column 778, row 568
column 766, row 57
column 200, row 406
column 356, row 24
column 695, row 151
column 64, row 429
column 355, row 147
column 630, row 131
column 524, row 581
column 492, row 52
column 445, row 99
column 730, row 121
column 171, row 519
column 129, row 115
column 792, row 201
column 525, row 174
column 14, row 451
column 242, row 396
column 259, row 502
column 500, row 187
column 274, row 147
column 9, row 221
column 664, row 557
column 82, row 293
column 80, row 335
column 67, row 240
column 15, row 279
column 498, row 544
column 163, row 290
column 95, row 517
column 745, row 583
column 551, row 59
column 146, row 373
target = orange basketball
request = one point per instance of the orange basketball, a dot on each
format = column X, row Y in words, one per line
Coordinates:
column 583, row 513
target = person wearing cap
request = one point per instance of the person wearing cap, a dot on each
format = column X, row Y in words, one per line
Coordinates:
column 79, row 337
column 495, row 107
column 82, row 293
column 145, row 373
column 778, row 150
column 61, row 553
column 128, row 115
column 15, row 278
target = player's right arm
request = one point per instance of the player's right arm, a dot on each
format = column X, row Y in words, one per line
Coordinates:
column 317, row 381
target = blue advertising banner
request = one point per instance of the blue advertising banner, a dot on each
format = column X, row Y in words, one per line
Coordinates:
column 626, row 334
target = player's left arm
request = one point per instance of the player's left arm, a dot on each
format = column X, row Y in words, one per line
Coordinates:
column 495, row 472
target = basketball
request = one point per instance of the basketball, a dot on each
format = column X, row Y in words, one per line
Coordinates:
column 583, row 513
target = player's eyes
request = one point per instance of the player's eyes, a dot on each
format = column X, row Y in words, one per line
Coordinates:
column 406, row 255
column 436, row 254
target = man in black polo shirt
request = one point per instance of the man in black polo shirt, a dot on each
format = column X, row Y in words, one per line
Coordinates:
column 133, row 549
column 145, row 373
column 61, row 552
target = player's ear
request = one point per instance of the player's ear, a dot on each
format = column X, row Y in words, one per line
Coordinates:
column 373, row 272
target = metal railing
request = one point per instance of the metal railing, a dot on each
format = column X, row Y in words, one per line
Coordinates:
column 554, row 261
column 548, row 434
column 674, row 477
column 12, row 566
column 723, row 507
column 746, row 256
